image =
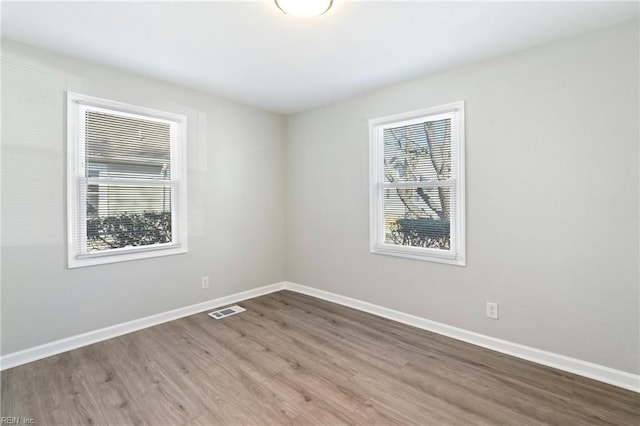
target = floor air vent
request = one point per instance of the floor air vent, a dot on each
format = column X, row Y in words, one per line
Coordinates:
column 225, row 312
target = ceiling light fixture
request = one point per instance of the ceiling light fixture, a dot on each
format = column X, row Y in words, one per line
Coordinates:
column 304, row 8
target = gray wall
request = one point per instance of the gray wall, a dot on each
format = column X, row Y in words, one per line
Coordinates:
column 235, row 193
column 552, row 200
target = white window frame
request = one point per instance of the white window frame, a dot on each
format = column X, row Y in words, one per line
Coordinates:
column 77, row 182
column 456, row 255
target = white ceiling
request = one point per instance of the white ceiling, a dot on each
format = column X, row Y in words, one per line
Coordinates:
column 253, row 53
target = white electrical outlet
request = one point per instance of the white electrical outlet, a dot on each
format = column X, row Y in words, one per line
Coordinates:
column 205, row 282
column 492, row 310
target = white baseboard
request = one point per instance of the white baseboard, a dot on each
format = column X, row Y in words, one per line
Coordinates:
column 583, row 368
column 561, row 362
column 53, row 348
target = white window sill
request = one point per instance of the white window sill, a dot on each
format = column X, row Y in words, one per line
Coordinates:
column 418, row 254
column 131, row 254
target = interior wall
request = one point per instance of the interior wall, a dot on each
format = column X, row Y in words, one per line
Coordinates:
column 552, row 200
column 235, row 203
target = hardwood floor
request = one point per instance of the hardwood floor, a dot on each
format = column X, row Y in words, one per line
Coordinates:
column 294, row 359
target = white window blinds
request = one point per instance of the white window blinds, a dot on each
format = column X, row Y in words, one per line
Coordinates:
column 127, row 181
column 416, row 186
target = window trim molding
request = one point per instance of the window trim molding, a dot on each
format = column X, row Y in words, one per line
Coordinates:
column 376, row 202
column 76, row 259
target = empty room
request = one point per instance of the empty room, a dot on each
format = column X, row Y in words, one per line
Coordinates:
column 320, row 212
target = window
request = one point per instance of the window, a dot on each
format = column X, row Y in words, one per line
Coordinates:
column 417, row 184
column 126, row 182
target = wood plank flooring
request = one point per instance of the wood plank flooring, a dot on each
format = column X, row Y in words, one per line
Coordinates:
column 293, row 359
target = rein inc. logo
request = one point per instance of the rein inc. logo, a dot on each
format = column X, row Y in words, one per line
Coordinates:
column 17, row 420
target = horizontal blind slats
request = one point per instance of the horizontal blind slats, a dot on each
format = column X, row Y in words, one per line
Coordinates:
column 128, row 216
column 418, row 183
column 127, row 184
column 419, row 152
column 121, row 146
column 421, row 217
